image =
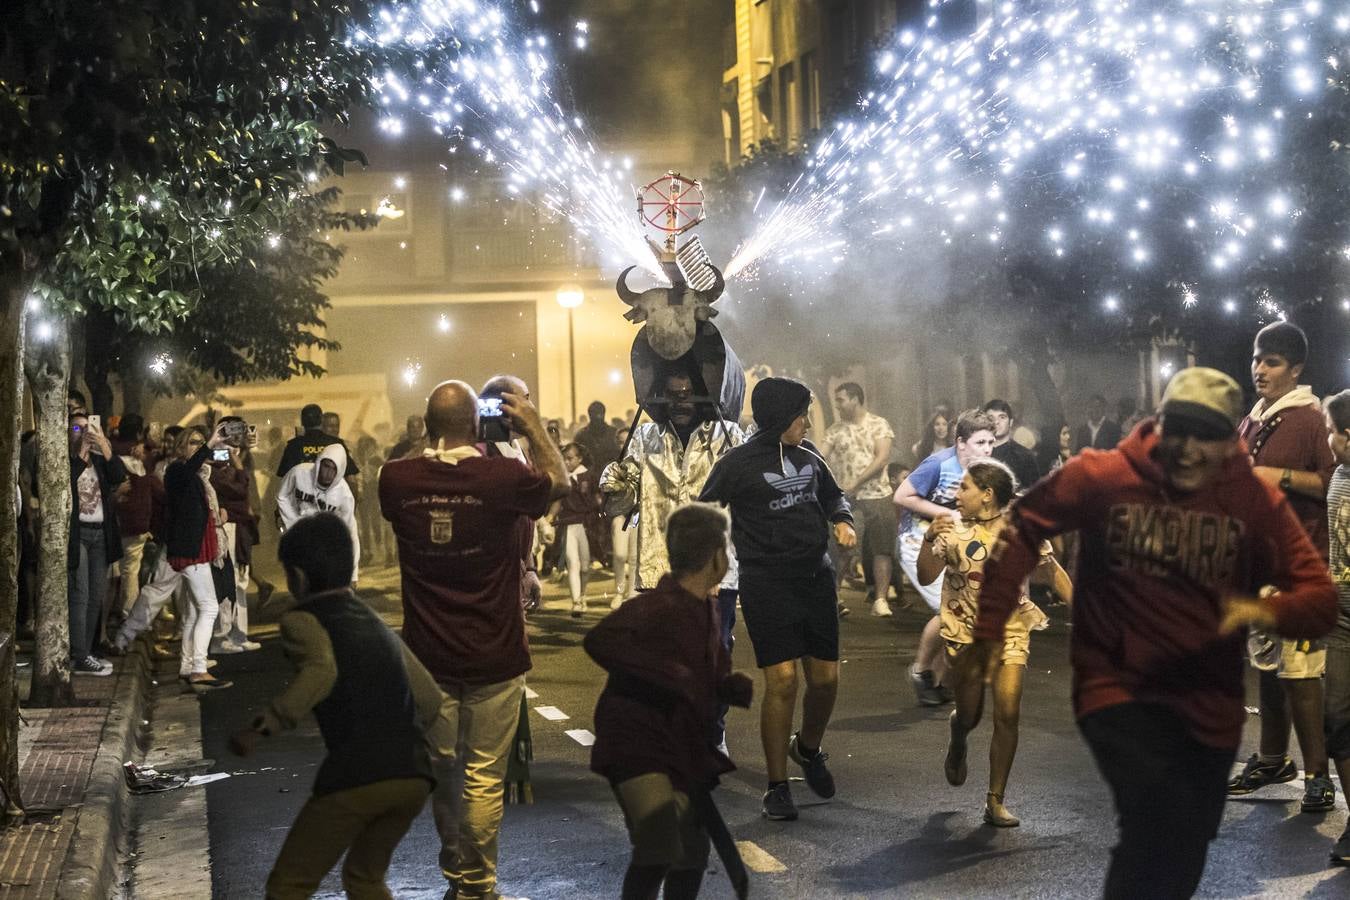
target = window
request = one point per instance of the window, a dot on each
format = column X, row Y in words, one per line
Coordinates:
column 790, row 105
column 810, row 91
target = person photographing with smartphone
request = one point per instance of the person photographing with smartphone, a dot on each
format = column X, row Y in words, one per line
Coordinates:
column 95, row 538
column 459, row 518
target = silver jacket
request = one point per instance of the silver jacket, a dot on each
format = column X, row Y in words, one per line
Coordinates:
column 656, row 477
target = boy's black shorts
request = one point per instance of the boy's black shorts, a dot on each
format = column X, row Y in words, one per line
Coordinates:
column 790, row 616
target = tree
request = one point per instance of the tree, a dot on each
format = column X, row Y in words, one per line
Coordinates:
column 255, row 315
column 47, row 367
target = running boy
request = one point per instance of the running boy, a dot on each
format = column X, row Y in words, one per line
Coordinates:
column 375, row 704
column 656, row 730
column 1179, row 538
column 784, row 501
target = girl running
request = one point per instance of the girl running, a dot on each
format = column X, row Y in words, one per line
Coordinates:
column 960, row 544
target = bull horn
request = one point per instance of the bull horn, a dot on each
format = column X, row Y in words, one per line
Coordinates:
column 719, row 285
column 626, row 294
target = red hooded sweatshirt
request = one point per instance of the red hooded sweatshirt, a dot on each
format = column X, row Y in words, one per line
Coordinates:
column 1154, row 568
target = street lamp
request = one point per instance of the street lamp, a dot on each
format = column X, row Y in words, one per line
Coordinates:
column 569, row 298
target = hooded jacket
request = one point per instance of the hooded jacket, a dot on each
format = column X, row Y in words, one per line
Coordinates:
column 301, row 495
column 782, row 498
column 1154, row 569
column 1291, row 433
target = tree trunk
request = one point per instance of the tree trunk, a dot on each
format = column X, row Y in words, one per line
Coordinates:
column 47, row 365
column 13, row 294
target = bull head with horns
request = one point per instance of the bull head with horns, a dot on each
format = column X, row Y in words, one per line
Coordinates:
column 672, row 313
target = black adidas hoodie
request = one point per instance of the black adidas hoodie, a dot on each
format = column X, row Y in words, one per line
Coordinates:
column 782, row 498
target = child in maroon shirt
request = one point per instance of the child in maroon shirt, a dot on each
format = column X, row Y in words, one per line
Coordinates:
column 656, row 728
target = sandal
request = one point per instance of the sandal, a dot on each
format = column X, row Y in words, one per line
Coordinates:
column 996, row 814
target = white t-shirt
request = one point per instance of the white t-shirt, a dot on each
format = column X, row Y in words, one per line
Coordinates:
column 90, row 497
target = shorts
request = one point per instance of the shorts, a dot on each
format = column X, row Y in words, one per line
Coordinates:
column 1336, row 689
column 879, row 524
column 790, row 616
column 909, row 545
column 661, row 824
column 1016, row 648
column 1301, row 659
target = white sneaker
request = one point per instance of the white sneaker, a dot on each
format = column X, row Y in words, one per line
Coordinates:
column 226, row 647
column 616, row 602
column 578, row 607
column 248, row 645
column 881, row 608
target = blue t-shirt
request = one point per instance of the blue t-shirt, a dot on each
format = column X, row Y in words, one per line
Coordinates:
column 936, row 479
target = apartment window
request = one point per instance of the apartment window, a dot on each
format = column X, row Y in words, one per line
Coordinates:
column 790, row 104
column 810, row 91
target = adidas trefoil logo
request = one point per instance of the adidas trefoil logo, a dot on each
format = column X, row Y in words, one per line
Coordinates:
column 792, row 483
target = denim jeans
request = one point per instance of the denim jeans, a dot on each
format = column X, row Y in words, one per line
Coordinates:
column 1169, row 790
column 86, row 585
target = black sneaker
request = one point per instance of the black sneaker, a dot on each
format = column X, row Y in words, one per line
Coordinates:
column 778, row 804
column 1340, row 851
column 927, row 689
column 1256, row 775
column 818, row 777
column 89, row 666
column 1319, row 794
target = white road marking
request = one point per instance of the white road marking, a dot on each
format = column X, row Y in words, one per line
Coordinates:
column 531, row 694
column 552, row 713
column 581, row 736
column 757, row 859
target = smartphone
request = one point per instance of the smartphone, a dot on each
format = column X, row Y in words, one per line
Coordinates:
column 221, row 454
column 235, row 433
column 97, row 421
column 492, row 424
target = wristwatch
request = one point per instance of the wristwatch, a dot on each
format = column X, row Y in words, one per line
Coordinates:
column 1286, row 480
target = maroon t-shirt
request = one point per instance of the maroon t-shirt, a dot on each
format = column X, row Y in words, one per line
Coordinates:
column 1296, row 439
column 459, row 543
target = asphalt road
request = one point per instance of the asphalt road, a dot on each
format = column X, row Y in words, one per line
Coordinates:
column 895, row 829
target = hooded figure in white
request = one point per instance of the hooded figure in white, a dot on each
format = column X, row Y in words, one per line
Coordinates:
column 316, row 487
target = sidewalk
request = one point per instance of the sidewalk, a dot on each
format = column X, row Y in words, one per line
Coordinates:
column 70, row 775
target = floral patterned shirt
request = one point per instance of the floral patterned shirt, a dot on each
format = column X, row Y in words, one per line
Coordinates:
column 849, row 448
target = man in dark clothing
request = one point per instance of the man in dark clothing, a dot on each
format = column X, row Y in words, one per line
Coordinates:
column 1098, row 432
column 95, row 538
column 1286, row 437
column 415, row 433
column 784, row 501
column 599, row 439
column 1006, row 450
column 307, row 447
column 457, row 516
column 376, row 706
column 656, row 730
column 1183, row 549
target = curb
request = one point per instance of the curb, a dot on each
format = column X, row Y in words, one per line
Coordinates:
column 90, row 869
